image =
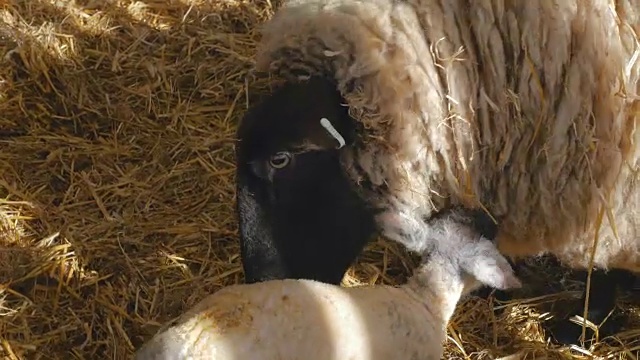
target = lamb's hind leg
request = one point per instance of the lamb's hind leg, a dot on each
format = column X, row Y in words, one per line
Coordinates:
column 603, row 295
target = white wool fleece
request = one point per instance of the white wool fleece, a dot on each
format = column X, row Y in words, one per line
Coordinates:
column 527, row 109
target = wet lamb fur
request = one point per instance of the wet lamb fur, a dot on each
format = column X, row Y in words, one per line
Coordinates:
column 291, row 319
column 527, row 110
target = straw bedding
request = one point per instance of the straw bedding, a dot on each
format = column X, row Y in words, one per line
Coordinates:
column 116, row 189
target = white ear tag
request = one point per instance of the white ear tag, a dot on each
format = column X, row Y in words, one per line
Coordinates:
column 327, row 125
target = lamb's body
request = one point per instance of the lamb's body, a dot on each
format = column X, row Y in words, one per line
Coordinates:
column 296, row 319
column 528, row 109
column 304, row 319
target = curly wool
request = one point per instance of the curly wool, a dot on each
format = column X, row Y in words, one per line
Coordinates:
column 526, row 109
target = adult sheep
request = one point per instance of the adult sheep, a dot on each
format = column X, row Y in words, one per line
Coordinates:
column 527, row 110
column 295, row 319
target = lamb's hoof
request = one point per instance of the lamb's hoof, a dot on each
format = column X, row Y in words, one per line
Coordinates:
column 499, row 295
column 483, row 293
column 502, row 296
column 565, row 332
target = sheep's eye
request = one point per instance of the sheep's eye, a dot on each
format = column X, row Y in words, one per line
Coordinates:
column 280, row 160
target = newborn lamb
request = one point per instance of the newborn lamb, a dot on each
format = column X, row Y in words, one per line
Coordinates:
column 295, row 319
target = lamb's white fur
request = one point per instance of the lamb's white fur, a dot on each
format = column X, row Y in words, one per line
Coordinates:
column 527, row 109
column 305, row 319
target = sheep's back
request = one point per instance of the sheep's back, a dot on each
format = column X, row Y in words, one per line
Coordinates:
column 565, row 147
column 526, row 109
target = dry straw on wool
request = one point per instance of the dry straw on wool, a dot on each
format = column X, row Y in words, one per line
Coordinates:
column 116, row 182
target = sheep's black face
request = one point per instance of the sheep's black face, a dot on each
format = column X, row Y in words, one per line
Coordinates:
column 299, row 215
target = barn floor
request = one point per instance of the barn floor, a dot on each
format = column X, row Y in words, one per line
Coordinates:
column 116, row 167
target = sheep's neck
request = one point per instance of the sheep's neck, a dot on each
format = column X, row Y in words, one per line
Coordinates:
column 439, row 287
